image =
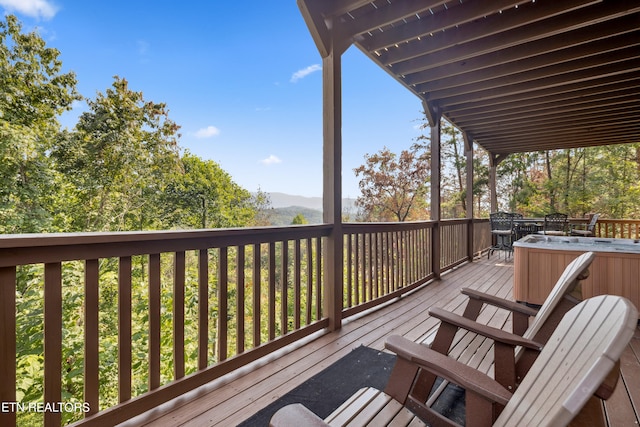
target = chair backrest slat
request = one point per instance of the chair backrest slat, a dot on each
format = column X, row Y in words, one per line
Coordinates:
column 581, row 352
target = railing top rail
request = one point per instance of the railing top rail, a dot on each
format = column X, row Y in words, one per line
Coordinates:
column 360, row 227
column 91, row 238
column 23, row 249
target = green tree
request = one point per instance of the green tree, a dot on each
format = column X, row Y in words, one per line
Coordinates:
column 117, row 162
column 203, row 195
column 299, row 219
column 393, row 186
column 454, row 172
column 33, row 93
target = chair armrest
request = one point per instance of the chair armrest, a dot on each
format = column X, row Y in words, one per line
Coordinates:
column 494, row 333
column 499, row 302
column 296, row 415
column 448, row 368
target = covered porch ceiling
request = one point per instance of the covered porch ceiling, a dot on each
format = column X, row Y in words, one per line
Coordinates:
column 514, row 76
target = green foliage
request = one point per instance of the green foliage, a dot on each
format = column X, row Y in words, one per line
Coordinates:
column 577, row 181
column 33, row 92
column 393, row 186
column 118, row 160
column 119, row 168
column 203, row 195
column 299, row 219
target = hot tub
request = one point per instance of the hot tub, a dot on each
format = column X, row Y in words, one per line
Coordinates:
column 540, row 260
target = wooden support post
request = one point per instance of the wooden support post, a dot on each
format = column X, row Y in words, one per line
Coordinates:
column 492, row 184
column 494, row 161
column 435, row 191
column 332, row 186
column 468, row 144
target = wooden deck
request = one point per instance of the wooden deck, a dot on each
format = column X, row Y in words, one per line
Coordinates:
column 234, row 398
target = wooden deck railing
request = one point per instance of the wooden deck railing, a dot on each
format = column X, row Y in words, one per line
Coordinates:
column 211, row 302
column 618, row 228
column 384, row 260
column 238, row 275
column 202, row 303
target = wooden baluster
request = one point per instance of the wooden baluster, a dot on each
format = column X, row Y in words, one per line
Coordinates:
column 272, row 291
column 91, row 335
column 284, row 287
column 356, row 269
column 124, row 328
column 154, row 321
column 52, row 341
column 309, row 280
column 349, row 261
column 388, row 257
column 297, row 284
column 223, row 303
column 178, row 314
column 318, row 278
column 240, row 297
column 369, row 259
column 203, row 308
column 8, row 342
column 374, row 266
column 257, row 291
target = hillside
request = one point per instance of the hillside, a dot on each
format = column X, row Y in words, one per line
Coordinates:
column 284, row 216
column 286, row 206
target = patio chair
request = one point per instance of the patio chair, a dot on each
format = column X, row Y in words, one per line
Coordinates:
column 583, row 230
column 590, row 339
column 555, row 224
column 511, row 357
column 502, row 229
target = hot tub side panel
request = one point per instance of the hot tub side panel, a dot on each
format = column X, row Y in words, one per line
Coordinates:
column 537, row 270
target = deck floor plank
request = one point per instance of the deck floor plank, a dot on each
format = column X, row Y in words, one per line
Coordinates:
column 232, row 399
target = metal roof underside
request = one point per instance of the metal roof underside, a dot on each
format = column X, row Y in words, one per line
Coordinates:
column 514, row 75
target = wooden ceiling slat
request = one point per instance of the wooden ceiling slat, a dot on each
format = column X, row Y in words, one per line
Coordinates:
column 613, row 69
column 571, row 141
column 573, row 89
column 515, row 37
column 572, row 134
column 331, row 8
column 621, row 119
column 388, row 15
column 592, row 94
column 430, row 83
column 431, row 23
column 540, row 77
column 548, row 74
column 500, row 120
column 539, row 47
column 519, row 119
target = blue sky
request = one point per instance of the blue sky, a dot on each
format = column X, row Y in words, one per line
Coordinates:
column 242, row 79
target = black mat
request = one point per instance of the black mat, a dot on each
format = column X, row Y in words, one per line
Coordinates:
column 323, row 393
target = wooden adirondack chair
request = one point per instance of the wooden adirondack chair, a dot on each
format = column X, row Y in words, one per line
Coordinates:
column 579, row 355
column 512, row 356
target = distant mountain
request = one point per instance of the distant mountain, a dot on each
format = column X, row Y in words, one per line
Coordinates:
column 287, row 206
column 284, row 216
column 282, row 200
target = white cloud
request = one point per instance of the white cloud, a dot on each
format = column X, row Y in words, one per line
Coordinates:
column 271, row 160
column 34, row 8
column 208, row 132
column 300, row 74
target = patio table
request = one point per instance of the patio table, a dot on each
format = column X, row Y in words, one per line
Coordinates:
column 525, row 226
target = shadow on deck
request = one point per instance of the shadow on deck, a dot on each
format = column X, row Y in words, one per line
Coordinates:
column 236, row 397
